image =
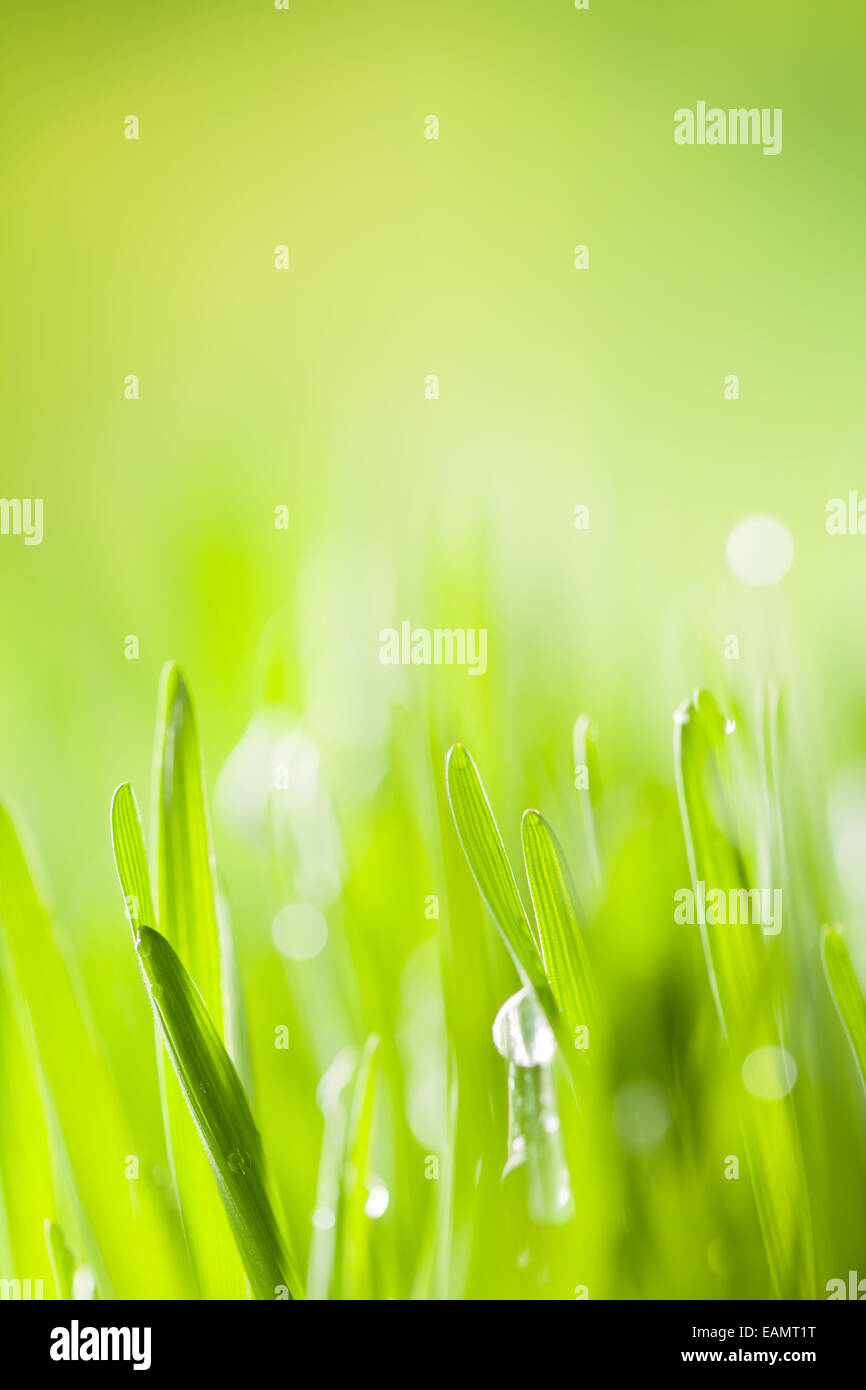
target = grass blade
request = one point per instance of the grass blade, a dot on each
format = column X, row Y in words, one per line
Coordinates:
column 62, row 1262
column 353, row 1275
column 187, row 899
column 847, row 994
column 485, row 852
column 133, row 1251
column 189, row 920
column 27, row 1188
column 208, row 1080
column 556, row 910
column 586, row 771
column 747, row 992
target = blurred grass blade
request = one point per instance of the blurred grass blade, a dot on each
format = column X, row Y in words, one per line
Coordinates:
column 485, row 852
column 737, row 962
column 27, row 1188
column 554, row 901
column 208, row 1080
column 740, row 968
column 847, row 994
column 584, row 751
column 332, row 1104
column 61, row 1258
column 188, row 917
column 353, row 1275
column 133, row 1251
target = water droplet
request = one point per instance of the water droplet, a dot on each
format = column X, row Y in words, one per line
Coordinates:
column 142, row 944
column 157, row 993
column 239, row 1162
column 521, row 1031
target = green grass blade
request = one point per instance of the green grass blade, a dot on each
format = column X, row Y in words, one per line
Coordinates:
column 208, row 1080
column 554, row 901
column 188, row 917
column 133, row 1250
column 27, row 1188
column 737, row 964
column 331, row 1100
column 586, row 768
column 847, row 994
column 185, row 871
column 353, row 1274
column 745, row 988
column 62, row 1261
column 485, row 852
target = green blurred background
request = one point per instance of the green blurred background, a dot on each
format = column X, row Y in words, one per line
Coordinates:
column 411, row 257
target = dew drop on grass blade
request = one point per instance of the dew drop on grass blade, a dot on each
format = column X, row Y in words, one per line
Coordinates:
column 524, row 1037
column 188, row 918
column 207, row 1078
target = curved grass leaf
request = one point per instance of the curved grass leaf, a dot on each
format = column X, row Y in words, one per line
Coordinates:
column 847, row 994
column 556, row 913
column 208, row 1080
column 189, row 920
column 485, row 852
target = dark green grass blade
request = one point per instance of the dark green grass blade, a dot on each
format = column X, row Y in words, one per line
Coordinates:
column 188, row 919
column 187, row 898
column 485, row 852
column 847, row 994
column 208, row 1080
